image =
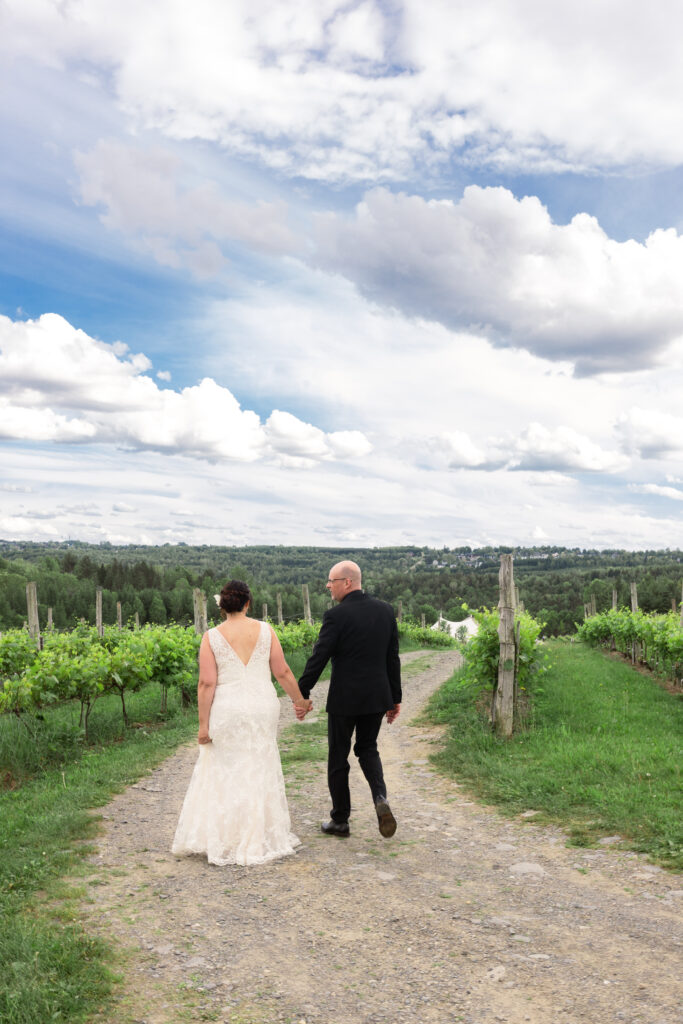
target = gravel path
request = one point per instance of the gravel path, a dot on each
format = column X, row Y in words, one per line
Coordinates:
column 462, row 916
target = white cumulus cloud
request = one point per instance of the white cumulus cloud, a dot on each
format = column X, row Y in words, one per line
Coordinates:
column 552, row 451
column 500, row 266
column 59, row 384
column 664, row 492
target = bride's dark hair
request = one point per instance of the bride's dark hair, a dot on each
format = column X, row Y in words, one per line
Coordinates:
column 234, row 595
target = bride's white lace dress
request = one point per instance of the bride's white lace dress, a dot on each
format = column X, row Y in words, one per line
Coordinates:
column 235, row 810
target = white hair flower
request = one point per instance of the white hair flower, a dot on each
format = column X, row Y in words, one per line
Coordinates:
column 217, row 599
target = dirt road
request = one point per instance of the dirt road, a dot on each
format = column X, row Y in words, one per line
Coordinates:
column 462, row 916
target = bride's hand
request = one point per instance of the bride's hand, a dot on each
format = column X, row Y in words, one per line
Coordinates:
column 302, row 707
column 203, row 736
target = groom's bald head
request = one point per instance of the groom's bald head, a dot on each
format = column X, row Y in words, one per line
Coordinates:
column 349, row 570
column 344, row 577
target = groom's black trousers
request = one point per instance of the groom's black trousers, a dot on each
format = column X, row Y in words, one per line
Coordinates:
column 340, row 729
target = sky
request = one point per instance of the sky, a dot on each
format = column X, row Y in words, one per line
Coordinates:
column 348, row 274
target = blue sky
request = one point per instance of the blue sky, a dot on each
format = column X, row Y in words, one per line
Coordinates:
column 341, row 273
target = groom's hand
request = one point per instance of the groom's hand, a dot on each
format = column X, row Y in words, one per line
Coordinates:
column 393, row 713
column 302, row 709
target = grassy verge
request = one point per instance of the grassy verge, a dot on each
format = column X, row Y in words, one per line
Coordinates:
column 50, row 969
column 600, row 755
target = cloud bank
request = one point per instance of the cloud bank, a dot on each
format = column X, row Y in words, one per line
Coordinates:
column 375, row 92
column 499, row 266
column 57, row 384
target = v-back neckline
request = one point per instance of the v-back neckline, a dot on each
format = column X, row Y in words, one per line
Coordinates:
column 245, row 664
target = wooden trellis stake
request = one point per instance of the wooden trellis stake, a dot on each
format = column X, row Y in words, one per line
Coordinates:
column 502, row 711
column 200, row 613
column 307, row 604
column 32, row 611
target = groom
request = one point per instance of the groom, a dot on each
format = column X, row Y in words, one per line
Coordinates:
column 361, row 637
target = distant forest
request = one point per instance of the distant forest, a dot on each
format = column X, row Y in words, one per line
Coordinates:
column 157, row 582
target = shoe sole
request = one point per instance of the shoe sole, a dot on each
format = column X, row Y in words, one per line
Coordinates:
column 339, row 835
column 385, row 820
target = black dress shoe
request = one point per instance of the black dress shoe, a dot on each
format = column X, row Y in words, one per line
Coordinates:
column 385, row 819
column 336, row 828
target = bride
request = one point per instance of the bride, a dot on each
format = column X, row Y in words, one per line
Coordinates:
column 235, row 810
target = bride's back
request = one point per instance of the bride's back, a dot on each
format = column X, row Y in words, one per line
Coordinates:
column 242, row 634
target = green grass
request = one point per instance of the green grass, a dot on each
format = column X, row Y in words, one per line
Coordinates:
column 304, row 742
column 50, row 969
column 54, row 739
column 600, row 755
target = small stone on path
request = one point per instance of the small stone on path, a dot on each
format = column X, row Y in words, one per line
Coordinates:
column 526, row 868
column 496, row 973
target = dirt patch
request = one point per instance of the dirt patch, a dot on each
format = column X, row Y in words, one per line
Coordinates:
column 462, row 916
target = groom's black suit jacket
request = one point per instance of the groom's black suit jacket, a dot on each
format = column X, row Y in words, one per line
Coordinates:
column 361, row 637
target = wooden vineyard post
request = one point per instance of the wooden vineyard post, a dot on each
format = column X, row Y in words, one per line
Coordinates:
column 502, row 711
column 423, row 621
column 32, row 611
column 615, row 599
column 119, row 616
column 681, row 604
column 280, row 617
column 635, row 647
column 98, row 611
column 50, row 624
column 594, row 607
column 307, row 604
column 137, row 620
column 400, row 611
column 200, row 613
column 265, row 612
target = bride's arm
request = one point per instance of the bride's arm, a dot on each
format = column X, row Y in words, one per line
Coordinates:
column 284, row 674
column 206, row 687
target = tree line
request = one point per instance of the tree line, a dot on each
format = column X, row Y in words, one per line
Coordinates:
column 157, row 582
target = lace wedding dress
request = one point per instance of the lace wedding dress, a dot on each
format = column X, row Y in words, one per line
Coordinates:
column 235, row 810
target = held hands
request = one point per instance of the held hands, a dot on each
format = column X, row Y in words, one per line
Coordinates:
column 301, row 707
column 393, row 714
